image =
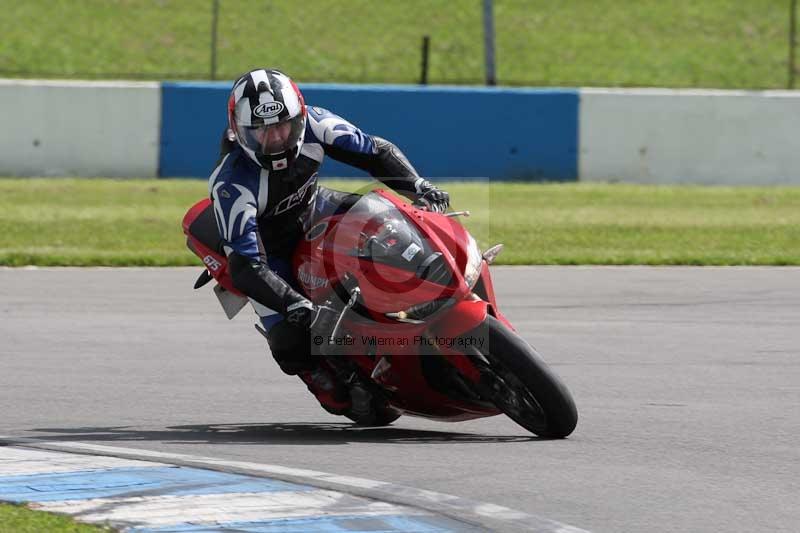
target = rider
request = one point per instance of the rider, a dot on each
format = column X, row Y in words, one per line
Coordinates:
column 265, row 195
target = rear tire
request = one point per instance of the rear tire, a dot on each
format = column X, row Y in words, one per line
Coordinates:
column 520, row 383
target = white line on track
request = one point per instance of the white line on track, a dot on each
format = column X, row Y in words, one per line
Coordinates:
column 167, row 510
column 488, row 515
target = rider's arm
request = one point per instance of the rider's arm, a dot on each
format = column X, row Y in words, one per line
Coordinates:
column 382, row 159
column 256, row 280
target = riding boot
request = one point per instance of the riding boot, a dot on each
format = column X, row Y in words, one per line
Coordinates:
column 361, row 409
column 332, row 396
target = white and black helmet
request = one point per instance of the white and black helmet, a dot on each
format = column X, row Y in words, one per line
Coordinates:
column 267, row 117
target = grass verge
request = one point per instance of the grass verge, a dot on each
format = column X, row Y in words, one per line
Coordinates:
column 19, row 519
column 103, row 222
column 673, row 43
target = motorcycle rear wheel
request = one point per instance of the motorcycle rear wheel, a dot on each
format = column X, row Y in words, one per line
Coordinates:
column 520, row 383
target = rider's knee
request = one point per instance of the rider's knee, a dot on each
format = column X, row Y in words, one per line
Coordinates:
column 291, row 347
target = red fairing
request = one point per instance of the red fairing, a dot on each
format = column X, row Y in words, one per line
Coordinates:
column 326, row 256
column 215, row 263
column 462, row 318
column 486, row 286
column 193, row 212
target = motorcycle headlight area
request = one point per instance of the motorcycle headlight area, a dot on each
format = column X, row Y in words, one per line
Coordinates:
column 474, row 260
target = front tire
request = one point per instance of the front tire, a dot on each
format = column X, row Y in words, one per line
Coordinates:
column 520, row 384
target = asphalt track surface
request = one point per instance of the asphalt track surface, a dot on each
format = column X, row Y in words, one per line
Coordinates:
column 687, row 382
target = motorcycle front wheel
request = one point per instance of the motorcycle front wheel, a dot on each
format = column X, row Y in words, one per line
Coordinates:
column 518, row 381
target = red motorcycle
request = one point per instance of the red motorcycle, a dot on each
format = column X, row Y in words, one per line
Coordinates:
column 419, row 325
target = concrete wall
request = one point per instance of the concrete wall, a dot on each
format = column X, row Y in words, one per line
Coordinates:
column 637, row 135
column 62, row 128
column 687, row 136
column 445, row 131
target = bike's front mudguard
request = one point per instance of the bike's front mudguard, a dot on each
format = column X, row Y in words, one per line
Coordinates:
column 462, row 318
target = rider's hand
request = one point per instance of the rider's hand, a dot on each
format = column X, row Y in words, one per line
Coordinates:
column 435, row 198
column 319, row 319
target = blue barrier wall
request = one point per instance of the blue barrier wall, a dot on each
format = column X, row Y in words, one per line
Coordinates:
column 445, row 131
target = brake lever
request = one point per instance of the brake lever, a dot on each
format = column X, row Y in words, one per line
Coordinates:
column 354, row 294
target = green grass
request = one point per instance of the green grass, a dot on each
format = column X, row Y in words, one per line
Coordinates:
column 663, row 225
column 138, row 222
column 677, row 43
column 18, row 519
column 95, row 221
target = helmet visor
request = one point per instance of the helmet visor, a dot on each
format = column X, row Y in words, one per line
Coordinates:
column 271, row 139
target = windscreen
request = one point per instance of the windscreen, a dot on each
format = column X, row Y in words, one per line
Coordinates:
column 386, row 236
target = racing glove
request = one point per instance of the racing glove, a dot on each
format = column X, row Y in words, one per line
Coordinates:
column 318, row 319
column 431, row 196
